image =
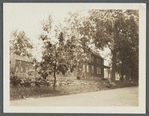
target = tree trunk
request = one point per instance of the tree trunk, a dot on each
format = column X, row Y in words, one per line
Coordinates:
column 78, row 70
column 35, row 71
column 132, row 76
column 54, row 77
column 122, row 74
column 127, row 73
column 113, row 65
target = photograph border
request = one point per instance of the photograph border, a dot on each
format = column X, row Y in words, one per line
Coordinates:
column 142, row 81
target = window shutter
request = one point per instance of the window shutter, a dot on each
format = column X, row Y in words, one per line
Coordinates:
column 97, row 70
column 83, row 68
column 92, row 69
column 87, row 68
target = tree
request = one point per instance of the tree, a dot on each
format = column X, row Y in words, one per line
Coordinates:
column 128, row 48
column 20, row 44
column 64, row 53
column 75, row 53
column 52, row 60
column 77, row 42
column 108, row 28
column 36, row 65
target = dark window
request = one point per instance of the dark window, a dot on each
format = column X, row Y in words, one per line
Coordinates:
column 92, row 58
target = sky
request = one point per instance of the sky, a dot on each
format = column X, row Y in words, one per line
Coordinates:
column 28, row 17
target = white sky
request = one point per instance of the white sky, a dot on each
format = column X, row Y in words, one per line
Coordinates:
column 28, row 17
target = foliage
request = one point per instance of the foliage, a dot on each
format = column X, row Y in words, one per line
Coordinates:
column 15, row 81
column 65, row 47
column 25, row 82
column 64, row 54
column 77, row 44
column 78, row 77
column 44, row 91
column 40, row 81
column 20, row 44
column 36, row 65
column 53, row 60
column 114, row 29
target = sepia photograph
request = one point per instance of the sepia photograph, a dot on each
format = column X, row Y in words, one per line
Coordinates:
column 74, row 58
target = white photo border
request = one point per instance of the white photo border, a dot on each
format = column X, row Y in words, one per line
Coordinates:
column 142, row 65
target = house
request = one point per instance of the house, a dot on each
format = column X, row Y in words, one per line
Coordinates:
column 93, row 67
column 20, row 65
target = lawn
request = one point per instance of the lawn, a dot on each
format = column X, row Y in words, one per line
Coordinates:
column 64, row 88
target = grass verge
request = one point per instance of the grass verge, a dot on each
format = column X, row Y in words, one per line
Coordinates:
column 80, row 86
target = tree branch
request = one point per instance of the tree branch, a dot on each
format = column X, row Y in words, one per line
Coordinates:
column 110, row 48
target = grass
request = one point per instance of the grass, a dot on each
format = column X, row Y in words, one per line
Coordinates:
column 79, row 86
column 19, row 92
column 121, row 84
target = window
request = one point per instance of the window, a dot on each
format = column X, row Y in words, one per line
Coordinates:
column 99, row 61
column 92, row 58
column 89, row 56
column 83, row 68
column 16, row 69
column 98, row 70
column 87, row 68
column 92, row 69
column 21, row 69
column 27, row 69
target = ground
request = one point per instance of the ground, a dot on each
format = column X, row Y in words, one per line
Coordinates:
column 66, row 86
column 127, row 96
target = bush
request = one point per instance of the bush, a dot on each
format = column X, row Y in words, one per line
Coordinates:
column 78, row 77
column 104, row 79
column 39, row 82
column 25, row 82
column 15, row 80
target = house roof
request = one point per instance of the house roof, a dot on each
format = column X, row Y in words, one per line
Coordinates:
column 95, row 53
column 106, row 66
column 21, row 58
column 90, row 48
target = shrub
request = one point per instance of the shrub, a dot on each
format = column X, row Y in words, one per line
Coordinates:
column 39, row 82
column 15, row 80
column 104, row 79
column 78, row 77
column 25, row 82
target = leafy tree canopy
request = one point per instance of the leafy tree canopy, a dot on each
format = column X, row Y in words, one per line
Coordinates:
column 20, row 44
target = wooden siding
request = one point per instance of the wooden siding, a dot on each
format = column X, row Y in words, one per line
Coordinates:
column 95, row 63
column 19, row 64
